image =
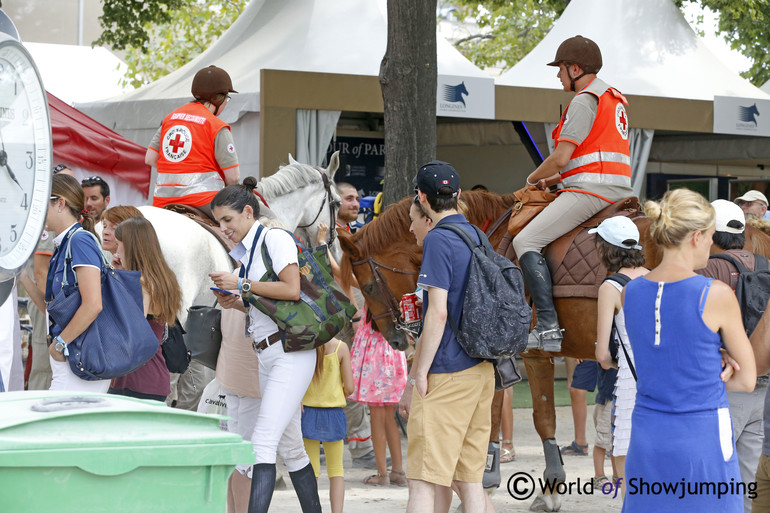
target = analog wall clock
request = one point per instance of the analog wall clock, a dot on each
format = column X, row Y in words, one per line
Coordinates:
column 25, row 157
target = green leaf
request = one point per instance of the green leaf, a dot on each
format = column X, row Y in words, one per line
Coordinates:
column 159, row 36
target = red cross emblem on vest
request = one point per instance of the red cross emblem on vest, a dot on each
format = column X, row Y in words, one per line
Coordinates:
column 177, row 143
column 623, row 120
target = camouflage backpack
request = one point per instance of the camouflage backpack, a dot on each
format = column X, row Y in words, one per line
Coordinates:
column 322, row 310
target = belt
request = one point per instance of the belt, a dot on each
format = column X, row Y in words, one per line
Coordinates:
column 267, row 342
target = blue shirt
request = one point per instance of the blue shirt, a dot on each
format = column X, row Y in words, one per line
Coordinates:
column 445, row 265
column 85, row 252
column 605, row 384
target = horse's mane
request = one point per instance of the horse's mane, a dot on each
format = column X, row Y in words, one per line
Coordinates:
column 757, row 239
column 378, row 235
column 288, row 178
column 762, row 224
column 484, row 206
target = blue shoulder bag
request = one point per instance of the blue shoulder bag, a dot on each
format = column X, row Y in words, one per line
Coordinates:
column 120, row 340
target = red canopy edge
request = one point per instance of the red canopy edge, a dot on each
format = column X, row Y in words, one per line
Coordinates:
column 82, row 141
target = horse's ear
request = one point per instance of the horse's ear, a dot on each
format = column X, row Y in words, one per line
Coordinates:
column 334, row 164
column 349, row 247
column 292, row 162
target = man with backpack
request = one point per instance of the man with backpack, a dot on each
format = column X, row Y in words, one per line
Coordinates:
column 743, row 271
column 450, row 392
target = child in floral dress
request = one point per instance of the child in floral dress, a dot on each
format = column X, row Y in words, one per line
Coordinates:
column 379, row 377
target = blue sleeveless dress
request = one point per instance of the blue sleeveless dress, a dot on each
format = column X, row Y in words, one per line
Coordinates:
column 682, row 452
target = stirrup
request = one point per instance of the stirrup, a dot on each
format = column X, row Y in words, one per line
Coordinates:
column 547, row 340
column 551, row 339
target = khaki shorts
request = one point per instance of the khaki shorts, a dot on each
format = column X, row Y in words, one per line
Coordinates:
column 448, row 429
column 603, row 424
column 761, row 504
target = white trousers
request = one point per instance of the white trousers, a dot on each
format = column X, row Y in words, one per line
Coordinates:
column 66, row 380
column 283, row 380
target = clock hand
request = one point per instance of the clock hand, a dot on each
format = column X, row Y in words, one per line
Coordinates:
column 4, row 162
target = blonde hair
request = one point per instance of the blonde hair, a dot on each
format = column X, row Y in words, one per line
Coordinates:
column 462, row 207
column 677, row 215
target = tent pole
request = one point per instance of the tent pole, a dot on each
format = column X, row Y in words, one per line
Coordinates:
column 528, row 142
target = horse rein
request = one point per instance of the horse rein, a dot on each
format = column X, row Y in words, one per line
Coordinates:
column 391, row 303
column 329, row 198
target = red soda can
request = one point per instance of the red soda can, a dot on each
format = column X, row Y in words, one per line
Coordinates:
column 409, row 309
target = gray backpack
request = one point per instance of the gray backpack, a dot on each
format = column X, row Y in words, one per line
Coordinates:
column 496, row 317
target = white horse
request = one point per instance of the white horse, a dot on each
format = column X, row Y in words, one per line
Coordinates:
column 301, row 197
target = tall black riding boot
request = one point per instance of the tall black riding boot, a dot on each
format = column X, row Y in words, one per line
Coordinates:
column 537, row 277
column 262, row 486
column 306, row 486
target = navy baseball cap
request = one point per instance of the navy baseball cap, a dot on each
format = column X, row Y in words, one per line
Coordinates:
column 437, row 174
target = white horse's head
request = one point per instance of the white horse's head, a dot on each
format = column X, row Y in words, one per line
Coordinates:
column 303, row 196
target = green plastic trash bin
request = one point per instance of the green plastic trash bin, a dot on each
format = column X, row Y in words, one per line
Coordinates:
column 88, row 453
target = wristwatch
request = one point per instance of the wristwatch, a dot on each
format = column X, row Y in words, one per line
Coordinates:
column 411, row 380
column 246, row 286
column 59, row 344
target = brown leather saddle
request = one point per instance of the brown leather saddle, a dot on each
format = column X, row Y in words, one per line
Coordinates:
column 576, row 269
column 205, row 221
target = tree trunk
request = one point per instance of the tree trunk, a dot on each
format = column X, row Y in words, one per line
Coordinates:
column 408, row 82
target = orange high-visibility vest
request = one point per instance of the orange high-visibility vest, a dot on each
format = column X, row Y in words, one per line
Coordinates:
column 604, row 156
column 188, row 171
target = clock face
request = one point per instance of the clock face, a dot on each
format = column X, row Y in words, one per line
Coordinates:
column 25, row 157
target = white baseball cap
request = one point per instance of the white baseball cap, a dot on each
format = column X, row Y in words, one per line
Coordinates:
column 619, row 231
column 750, row 196
column 727, row 211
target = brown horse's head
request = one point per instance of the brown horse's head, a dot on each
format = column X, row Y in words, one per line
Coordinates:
column 385, row 259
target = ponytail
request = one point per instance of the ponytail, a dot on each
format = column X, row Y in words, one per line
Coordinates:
column 236, row 197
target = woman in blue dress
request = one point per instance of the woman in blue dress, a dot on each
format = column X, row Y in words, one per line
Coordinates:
column 682, row 455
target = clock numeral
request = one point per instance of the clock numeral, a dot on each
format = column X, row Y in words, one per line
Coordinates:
column 14, row 235
column 30, row 162
column 24, row 202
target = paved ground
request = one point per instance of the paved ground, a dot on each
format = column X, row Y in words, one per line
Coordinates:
column 365, row 499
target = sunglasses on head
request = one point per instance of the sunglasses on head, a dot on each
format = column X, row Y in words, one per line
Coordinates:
column 59, row 168
column 92, row 180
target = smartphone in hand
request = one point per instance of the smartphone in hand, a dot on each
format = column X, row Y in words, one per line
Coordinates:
column 223, row 291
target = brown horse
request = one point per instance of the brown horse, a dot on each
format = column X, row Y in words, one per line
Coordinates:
column 385, row 259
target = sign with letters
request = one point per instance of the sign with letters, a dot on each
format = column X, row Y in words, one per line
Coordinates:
column 362, row 162
column 741, row 116
column 465, row 97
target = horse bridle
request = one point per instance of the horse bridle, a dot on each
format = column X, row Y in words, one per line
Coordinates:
column 332, row 216
column 391, row 303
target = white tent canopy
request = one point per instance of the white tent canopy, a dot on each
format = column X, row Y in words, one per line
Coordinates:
column 328, row 36
column 60, row 65
column 651, row 54
column 648, row 49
